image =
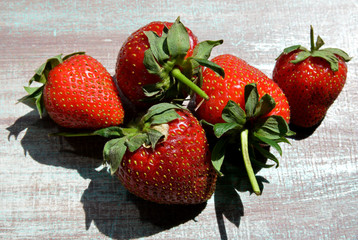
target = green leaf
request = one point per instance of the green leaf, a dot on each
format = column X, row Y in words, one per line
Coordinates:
column 34, row 98
column 38, row 73
column 204, row 122
column 291, row 49
column 201, row 54
column 274, row 127
column 150, row 62
column 42, row 72
column 301, row 57
column 40, row 106
column 136, row 141
column 33, row 90
column 218, row 155
column 319, row 42
column 129, row 131
column 33, row 93
column 164, row 117
column 157, row 44
column 283, row 139
column 329, row 57
column 154, row 136
column 209, row 64
column 53, row 62
column 203, row 49
column 113, row 153
column 158, row 109
column 338, row 52
column 178, row 40
column 290, row 134
column 110, row 132
column 233, row 113
column 251, row 99
column 222, row 128
column 264, row 106
column 40, row 76
column 152, row 91
column 267, row 154
column 270, row 142
column 260, row 164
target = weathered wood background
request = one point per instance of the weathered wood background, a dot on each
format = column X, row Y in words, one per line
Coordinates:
column 51, row 188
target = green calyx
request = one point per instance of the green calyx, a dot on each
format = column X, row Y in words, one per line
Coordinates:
column 179, row 75
column 147, row 131
column 329, row 54
column 252, row 130
column 35, row 94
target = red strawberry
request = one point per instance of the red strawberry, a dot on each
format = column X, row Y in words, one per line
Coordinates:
column 159, row 60
column 247, row 108
column 77, row 92
column 311, row 80
column 164, row 158
column 238, row 74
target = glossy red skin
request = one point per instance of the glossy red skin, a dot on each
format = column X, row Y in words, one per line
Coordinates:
column 238, row 74
column 80, row 93
column 311, row 86
column 131, row 74
column 178, row 171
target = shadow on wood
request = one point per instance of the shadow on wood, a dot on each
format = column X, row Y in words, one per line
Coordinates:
column 303, row 133
column 107, row 204
column 227, row 200
column 228, row 204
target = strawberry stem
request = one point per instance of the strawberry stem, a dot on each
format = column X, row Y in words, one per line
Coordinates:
column 182, row 78
column 313, row 47
column 245, row 153
column 69, row 134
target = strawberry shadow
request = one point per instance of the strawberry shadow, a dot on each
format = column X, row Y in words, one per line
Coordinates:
column 55, row 151
column 120, row 215
column 106, row 203
column 303, row 133
column 166, row 216
column 228, row 204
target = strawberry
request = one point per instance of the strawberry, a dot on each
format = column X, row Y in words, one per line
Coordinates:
column 163, row 158
column 245, row 107
column 160, row 61
column 77, row 92
column 238, row 74
column 311, row 80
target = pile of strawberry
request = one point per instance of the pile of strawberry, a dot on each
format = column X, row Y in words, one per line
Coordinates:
column 177, row 121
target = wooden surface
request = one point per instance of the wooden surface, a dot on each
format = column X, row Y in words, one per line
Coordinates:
column 51, row 188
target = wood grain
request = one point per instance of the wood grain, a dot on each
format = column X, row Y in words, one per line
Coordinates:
column 52, row 188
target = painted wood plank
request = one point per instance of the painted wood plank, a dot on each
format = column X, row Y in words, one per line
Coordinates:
column 51, row 188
